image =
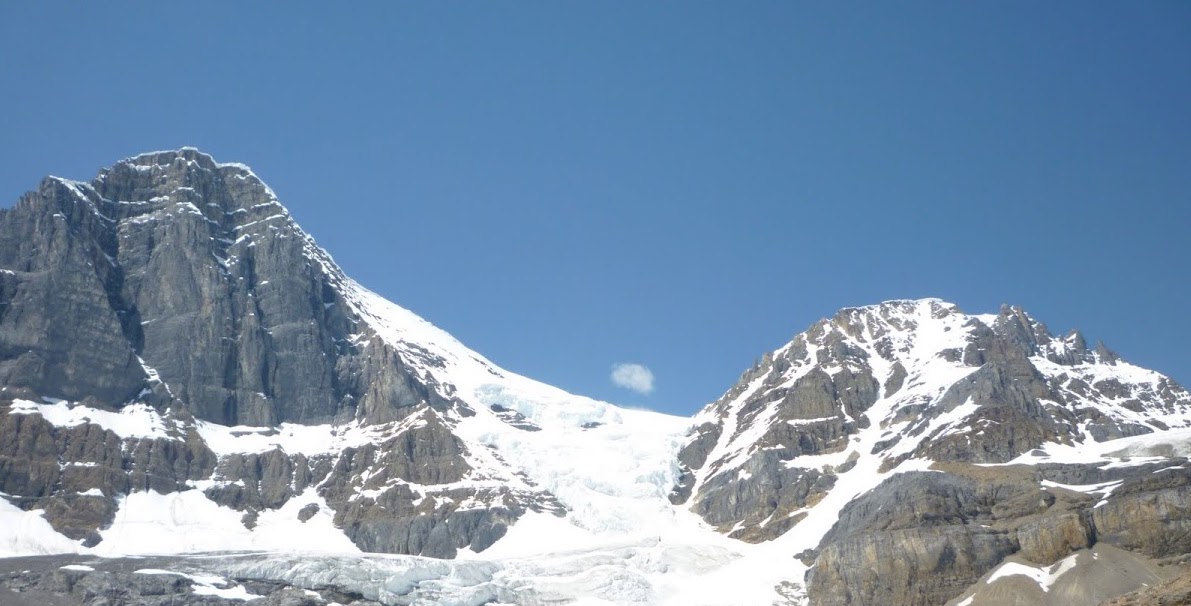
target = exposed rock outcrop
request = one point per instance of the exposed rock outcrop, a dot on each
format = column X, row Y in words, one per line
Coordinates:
column 922, row 538
column 75, row 473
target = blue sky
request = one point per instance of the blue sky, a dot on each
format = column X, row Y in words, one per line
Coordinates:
column 566, row 186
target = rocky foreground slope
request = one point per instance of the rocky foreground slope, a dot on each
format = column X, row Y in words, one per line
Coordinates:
column 182, row 370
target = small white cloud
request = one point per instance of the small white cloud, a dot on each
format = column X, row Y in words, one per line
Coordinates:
column 633, row 376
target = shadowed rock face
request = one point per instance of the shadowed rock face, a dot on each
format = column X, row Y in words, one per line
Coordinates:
column 917, row 539
column 1150, row 514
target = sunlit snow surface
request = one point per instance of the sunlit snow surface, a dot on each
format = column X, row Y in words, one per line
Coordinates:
column 187, row 522
column 135, row 421
column 28, row 533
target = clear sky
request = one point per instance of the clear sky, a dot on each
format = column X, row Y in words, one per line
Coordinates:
column 570, row 185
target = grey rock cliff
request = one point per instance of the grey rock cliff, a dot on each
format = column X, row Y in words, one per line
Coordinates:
column 174, row 281
column 922, row 538
column 196, row 269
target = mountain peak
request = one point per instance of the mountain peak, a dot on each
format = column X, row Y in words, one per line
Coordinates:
column 189, row 180
column 903, row 306
column 910, row 380
column 185, row 154
column 897, row 313
column 184, row 157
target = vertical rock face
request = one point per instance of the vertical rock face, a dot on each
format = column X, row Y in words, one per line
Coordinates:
column 54, row 294
column 170, row 268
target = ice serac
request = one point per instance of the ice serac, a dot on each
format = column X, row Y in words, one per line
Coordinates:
column 180, row 287
column 823, row 448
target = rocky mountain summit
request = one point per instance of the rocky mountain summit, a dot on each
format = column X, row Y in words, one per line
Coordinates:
column 182, row 371
column 180, row 288
column 835, row 442
column 922, row 381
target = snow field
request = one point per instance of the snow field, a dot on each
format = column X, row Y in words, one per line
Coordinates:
column 25, row 533
column 150, row 523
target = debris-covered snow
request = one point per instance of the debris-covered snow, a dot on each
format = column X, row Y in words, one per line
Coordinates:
column 1045, row 576
column 205, row 584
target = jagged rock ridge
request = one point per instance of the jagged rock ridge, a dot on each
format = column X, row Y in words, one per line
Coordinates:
column 875, row 396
